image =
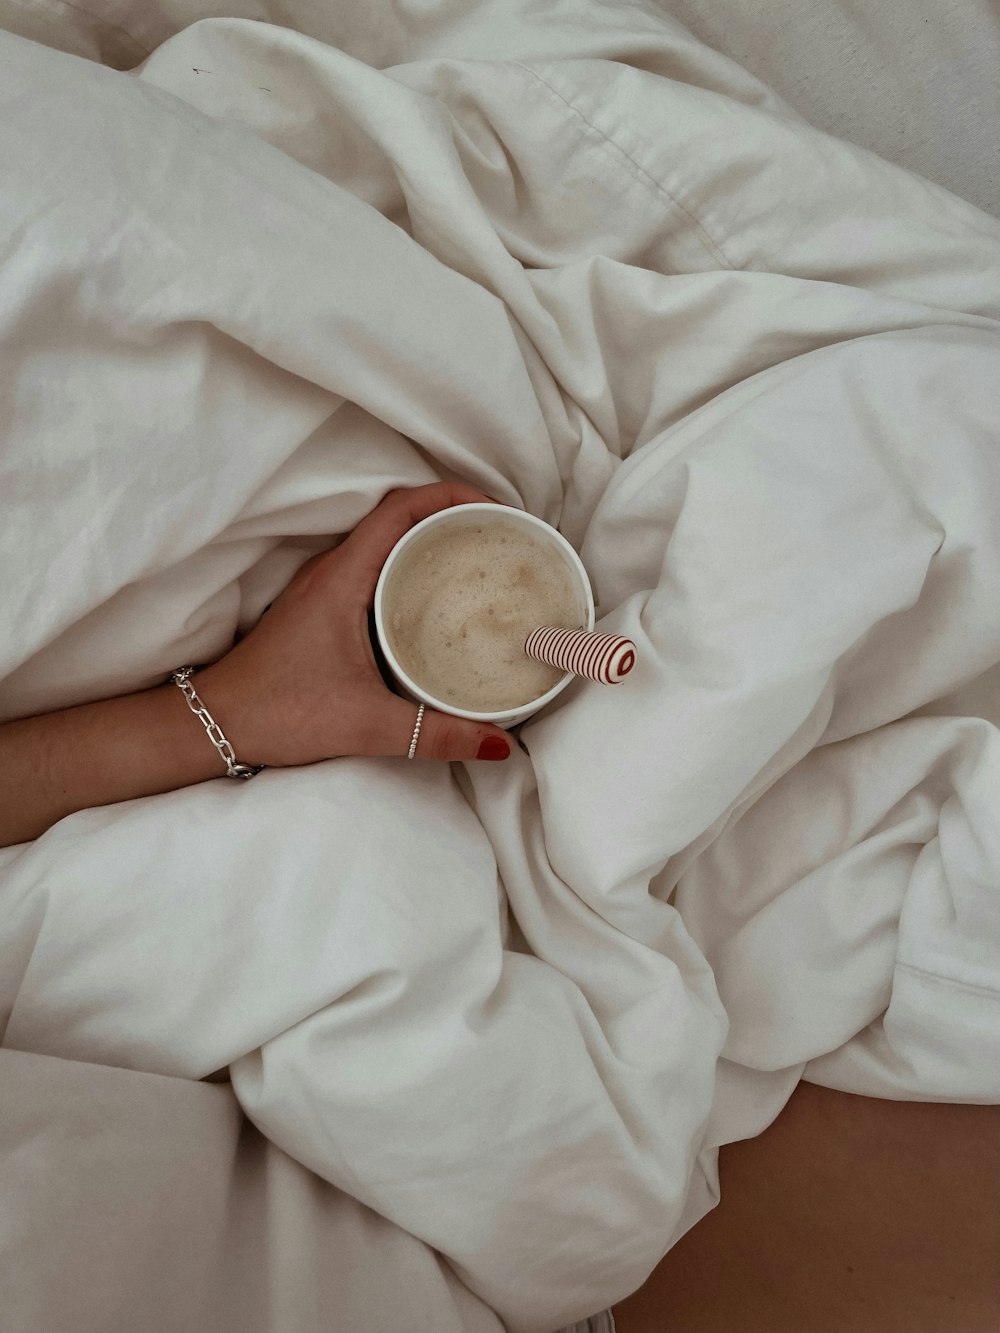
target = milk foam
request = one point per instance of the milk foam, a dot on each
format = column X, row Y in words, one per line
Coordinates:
column 460, row 602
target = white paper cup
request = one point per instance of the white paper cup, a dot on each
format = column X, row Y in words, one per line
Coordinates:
column 481, row 512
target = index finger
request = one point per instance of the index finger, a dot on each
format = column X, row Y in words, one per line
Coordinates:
column 368, row 546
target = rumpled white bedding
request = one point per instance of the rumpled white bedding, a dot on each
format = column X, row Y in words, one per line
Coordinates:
column 913, row 80
column 133, row 1201
column 566, row 254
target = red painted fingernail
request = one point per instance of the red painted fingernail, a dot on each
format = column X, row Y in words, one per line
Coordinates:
column 494, row 747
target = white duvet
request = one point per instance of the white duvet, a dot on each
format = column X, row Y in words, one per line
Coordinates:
column 566, row 254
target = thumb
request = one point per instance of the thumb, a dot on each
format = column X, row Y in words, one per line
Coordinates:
column 448, row 738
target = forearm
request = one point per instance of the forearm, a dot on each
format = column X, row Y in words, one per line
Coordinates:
column 97, row 754
column 300, row 687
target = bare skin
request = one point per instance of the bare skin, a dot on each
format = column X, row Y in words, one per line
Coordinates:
column 848, row 1215
column 300, row 687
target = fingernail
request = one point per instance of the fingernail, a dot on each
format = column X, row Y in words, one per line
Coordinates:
column 493, row 747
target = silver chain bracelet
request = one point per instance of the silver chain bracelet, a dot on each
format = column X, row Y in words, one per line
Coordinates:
column 182, row 679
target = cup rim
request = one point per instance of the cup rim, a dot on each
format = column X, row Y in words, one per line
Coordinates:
column 498, row 717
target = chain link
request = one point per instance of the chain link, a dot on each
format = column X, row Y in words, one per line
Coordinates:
column 182, row 679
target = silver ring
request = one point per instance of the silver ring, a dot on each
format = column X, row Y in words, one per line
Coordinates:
column 416, row 732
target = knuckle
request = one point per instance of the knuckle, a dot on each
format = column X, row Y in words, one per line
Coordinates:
column 444, row 740
column 398, row 497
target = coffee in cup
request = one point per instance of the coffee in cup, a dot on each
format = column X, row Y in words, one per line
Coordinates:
column 458, row 598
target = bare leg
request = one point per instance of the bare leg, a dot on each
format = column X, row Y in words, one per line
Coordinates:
column 848, row 1215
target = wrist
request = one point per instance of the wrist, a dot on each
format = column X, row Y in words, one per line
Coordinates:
column 224, row 714
column 181, row 740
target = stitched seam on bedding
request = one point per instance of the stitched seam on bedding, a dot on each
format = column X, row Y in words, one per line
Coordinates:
column 715, row 250
column 971, row 987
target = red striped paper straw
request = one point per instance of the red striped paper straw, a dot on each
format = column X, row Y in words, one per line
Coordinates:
column 607, row 658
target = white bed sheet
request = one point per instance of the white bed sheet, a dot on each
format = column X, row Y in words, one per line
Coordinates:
column 577, row 258
column 136, row 1201
column 916, row 81
column 912, row 80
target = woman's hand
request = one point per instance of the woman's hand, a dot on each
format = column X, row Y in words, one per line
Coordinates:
column 303, row 684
